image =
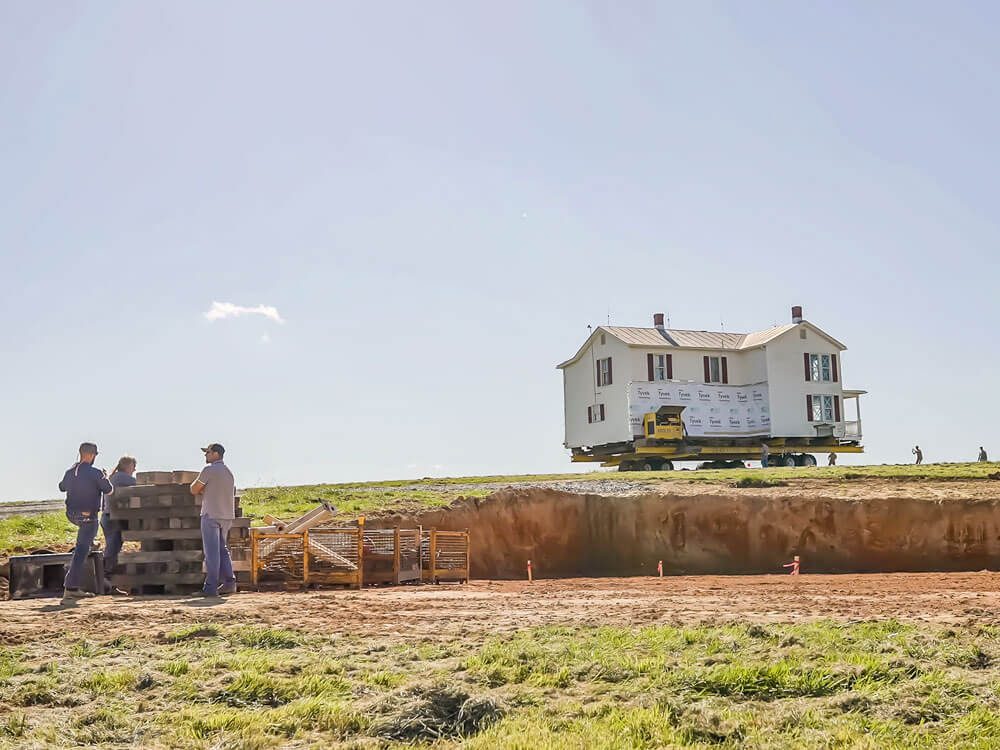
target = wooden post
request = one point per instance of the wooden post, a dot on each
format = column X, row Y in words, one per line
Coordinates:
column 395, row 559
column 305, row 558
column 433, row 552
column 468, row 556
column 253, row 557
column 361, row 552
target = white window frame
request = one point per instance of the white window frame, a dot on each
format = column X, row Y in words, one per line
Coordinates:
column 822, row 406
column 605, row 368
column 659, row 367
column 714, row 369
column 821, row 367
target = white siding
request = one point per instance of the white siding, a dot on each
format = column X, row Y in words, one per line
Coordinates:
column 579, row 381
column 789, row 387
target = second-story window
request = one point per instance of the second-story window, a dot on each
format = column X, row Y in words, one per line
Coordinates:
column 821, row 368
column 716, row 370
column 659, row 367
column 604, row 371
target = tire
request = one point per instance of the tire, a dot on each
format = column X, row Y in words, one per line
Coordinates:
column 626, row 466
column 807, row 460
column 788, row 460
column 667, row 466
column 649, row 465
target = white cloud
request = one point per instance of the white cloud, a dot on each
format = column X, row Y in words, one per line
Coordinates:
column 223, row 310
column 265, row 339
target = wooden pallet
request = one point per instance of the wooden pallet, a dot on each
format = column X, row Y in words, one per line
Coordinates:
column 166, row 521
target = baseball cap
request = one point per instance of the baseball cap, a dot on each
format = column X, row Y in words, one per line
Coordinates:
column 214, row 448
column 88, row 448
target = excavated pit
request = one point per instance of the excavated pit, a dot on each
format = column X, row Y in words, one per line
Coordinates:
column 569, row 534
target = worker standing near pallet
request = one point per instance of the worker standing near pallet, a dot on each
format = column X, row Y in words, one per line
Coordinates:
column 85, row 486
column 218, row 490
column 122, row 476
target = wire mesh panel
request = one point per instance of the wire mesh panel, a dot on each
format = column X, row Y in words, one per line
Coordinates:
column 334, row 556
column 444, row 555
column 409, row 555
column 278, row 557
column 452, row 553
column 379, row 556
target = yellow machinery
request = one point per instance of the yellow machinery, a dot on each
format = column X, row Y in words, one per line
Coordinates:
column 664, row 424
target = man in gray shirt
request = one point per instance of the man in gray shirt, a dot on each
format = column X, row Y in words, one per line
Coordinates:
column 217, row 488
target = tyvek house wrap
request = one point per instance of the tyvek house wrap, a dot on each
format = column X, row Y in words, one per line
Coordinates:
column 710, row 410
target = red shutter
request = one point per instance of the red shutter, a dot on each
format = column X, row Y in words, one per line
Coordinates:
column 649, row 367
column 836, row 408
column 708, row 372
column 609, row 371
column 598, row 373
column 808, row 371
column 809, row 408
column 725, row 370
column 833, row 363
column 602, row 412
column 590, row 415
column 670, row 367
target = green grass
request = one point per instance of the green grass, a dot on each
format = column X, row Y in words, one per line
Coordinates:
column 821, row 685
column 19, row 534
column 22, row 533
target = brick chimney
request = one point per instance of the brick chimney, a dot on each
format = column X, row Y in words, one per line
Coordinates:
column 658, row 320
column 797, row 314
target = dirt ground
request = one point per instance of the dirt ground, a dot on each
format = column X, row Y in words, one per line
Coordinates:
column 445, row 611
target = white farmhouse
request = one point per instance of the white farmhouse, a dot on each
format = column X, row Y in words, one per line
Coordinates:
column 782, row 386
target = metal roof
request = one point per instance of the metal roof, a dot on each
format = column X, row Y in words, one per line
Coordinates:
column 683, row 339
column 673, row 337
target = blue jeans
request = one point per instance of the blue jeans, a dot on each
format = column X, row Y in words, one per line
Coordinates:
column 218, row 564
column 85, row 535
column 763, row 462
column 112, row 543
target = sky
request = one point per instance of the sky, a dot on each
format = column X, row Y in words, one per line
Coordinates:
column 351, row 241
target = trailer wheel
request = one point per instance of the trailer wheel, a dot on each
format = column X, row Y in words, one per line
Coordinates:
column 807, row 460
column 625, row 466
column 667, row 466
column 649, row 465
column 789, row 460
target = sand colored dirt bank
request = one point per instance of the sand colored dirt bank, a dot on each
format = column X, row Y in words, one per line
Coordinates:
column 721, row 531
column 447, row 611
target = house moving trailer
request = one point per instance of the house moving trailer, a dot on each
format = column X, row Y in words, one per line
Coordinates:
column 643, row 398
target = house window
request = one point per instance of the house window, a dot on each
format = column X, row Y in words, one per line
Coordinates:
column 822, row 408
column 660, row 367
column 714, row 370
column 595, row 413
column 602, row 339
column 821, row 367
column 604, row 372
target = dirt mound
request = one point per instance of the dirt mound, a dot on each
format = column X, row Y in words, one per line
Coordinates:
column 570, row 534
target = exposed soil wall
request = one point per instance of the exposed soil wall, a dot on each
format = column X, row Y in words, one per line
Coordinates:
column 566, row 534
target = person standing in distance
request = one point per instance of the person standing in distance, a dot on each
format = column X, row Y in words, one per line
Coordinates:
column 122, row 476
column 217, row 488
column 919, row 454
column 84, row 485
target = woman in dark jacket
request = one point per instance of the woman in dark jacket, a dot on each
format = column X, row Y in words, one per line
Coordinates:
column 122, row 476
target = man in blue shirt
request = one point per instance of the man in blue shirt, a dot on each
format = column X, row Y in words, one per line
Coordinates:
column 84, row 485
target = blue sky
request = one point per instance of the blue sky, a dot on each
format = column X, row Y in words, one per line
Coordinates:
column 437, row 198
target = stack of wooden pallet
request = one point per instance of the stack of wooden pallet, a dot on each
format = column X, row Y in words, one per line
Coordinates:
column 165, row 519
